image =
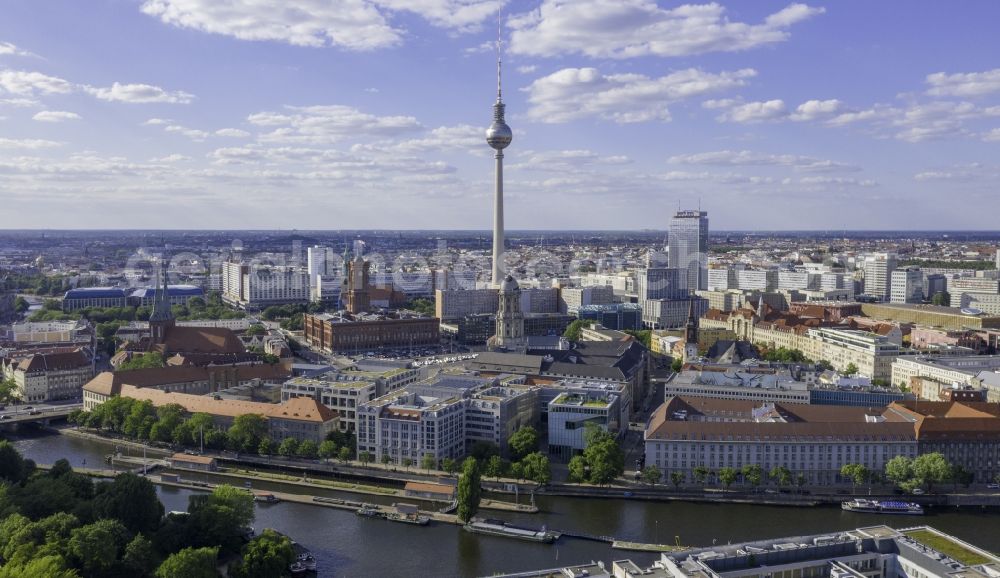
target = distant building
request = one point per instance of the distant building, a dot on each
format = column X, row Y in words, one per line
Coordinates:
column 662, row 283
column 931, row 316
column 257, row 287
column 509, row 333
column 571, row 299
column 617, row 316
column 102, row 297
column 907, row 286
column 688, row 246
column 670, row 313
column 878, row 270
column 345, row 333
column 176, row 295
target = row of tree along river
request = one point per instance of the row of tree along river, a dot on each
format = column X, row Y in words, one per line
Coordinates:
column 346, row 544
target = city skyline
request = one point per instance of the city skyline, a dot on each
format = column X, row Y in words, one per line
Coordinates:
column 174, row 114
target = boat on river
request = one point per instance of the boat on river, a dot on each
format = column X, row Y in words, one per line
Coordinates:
column 864, row 506
column 500, row 528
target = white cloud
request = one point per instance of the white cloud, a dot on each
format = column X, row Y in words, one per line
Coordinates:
column 816, row 110
column 838, row 181
column 139, row 94
column 750, row 158
column 527, row 68
column 325, row 124
column 157, row 122
column 8, row 49
column 570, row 161
column 232, row 133
column 625, row 98
column 28, row 143
column 31, row 83
column 349, row 24
column 191, row 133
column 55, row 116
column 19, row 102
column 992, row 136
column 752, row 112
column 631, row 28
column 964, row 84
column 174, row 158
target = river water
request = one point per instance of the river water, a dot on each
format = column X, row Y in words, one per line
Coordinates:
column 346, row 545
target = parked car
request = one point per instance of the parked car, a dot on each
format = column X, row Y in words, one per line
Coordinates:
column 993, row 486
column 918, row 492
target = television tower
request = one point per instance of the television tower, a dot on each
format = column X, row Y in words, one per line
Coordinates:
column 498, row 136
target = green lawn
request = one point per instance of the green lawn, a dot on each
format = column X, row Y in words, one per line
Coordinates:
column 948, row 547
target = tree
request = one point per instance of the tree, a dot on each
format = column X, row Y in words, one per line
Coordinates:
column 494, row 467
column 327, row 449
column 149, row 360
column 941, row 298
column 288, row 447
column 572, row 332
column 52, row 566
column 782, row 475
column 428, row 462
column 43, row 496
column 517, row 471
column 365, row 458
column 857, row 473
column 21, row 304
column 701, row 474
column 266, row 447
column 407, row 462
column 960, row 475
column 13, row 467
column 222, row 517
column 523, row 442
column 246, row 432
column 899, row 470
column 824, row 365
column 265, row 556
column 190, row 563
column 537, row 468
column 651, row 474
column 930, row 469
column 800, row 480
column 95, row 547
column 577, row 469
column 469, row 490
column 256, row 329
column 727, row 476
column 603, row 455
column 130, row 499
column 344, row 455
column 483, row 450
column 753, row 474
column 449, row 465
column 386, row 460
column 676, row 478
column 307, row 449
column 140, row 557
column 851, row 369
column 8, row 391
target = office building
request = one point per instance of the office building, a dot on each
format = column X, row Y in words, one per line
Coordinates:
column 257, row 287
column 662, row 283
column 815, row 441
column 878, row 270
column 907, row 286
column 670, row 313
column 932, row 316
column 442, row 417
column 722, row 279
column 688, row 247
column 571, row 413
column 757, row 280
column 617, row 316
column 571, row 299
column 946, row 369
column 176, row 295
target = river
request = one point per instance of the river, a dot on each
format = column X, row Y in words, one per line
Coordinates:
column 346, row 545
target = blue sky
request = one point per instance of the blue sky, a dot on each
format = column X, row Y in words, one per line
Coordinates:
column 345, row 114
